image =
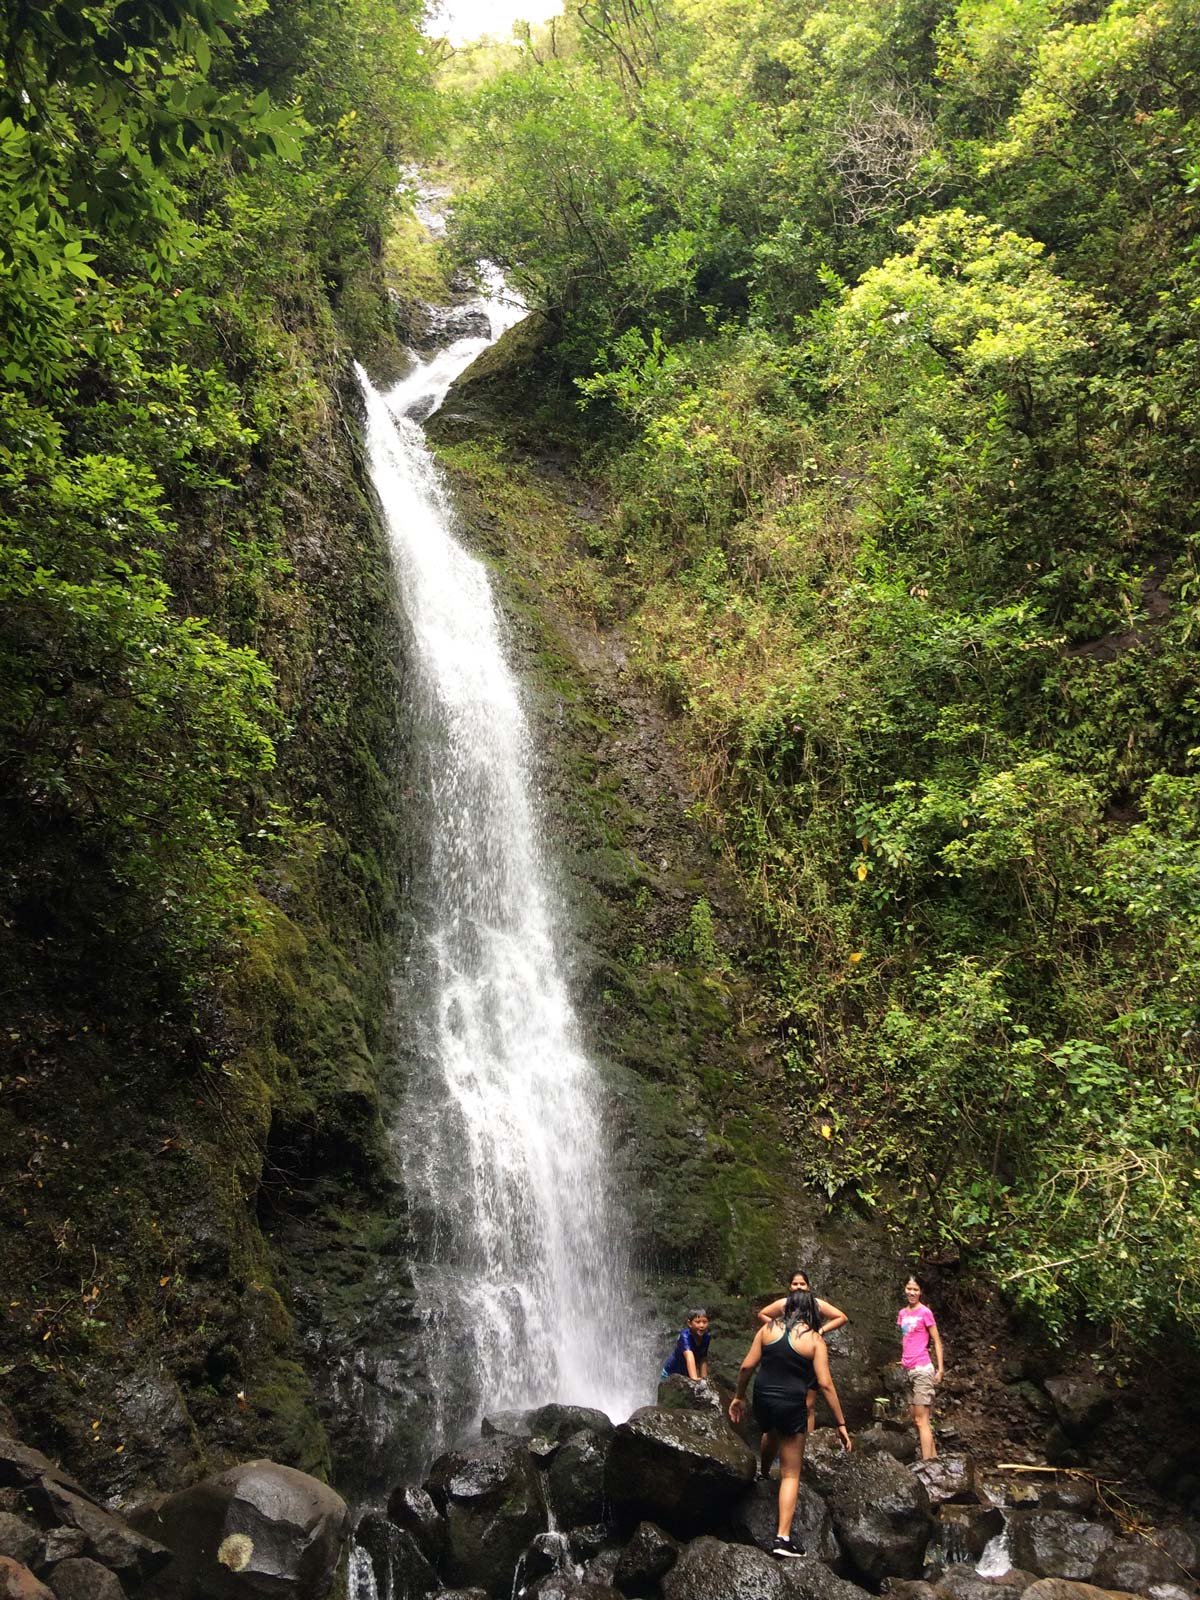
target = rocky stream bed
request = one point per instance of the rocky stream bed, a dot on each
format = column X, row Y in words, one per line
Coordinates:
column 558, row 1504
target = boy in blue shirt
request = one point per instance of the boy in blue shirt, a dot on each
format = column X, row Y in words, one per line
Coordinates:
column 690, row 1356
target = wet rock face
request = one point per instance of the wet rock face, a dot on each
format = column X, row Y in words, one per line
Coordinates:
column 397, row 1560
column 1058, row 1544
column 492, row 1503
column 883, row 1441
column 575, row 1481
column 962, row 1533
column 678, row 1468
column 101, row 1537
column 881, row 1516
column 19, row 1539
column 256, row 1530
column 964, row 1583
column 811, row 1580
column 413, row 1510
column 709, row 1570
column 648, row 1556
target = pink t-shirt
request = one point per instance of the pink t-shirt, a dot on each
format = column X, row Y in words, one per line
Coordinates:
column 915, row 1323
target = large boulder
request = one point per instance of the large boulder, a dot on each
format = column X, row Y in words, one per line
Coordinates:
column 1135, row 1567
column 948, row 1478
column 810, row 1579
column 709, row 1570
column 412, row 1509
column 18, row 1583
column 962, row 1582
column 97, row 1534
column 645, row 1559
column 548, row 1553
column 881, row 1516
column 824, row 1455
column 881, row 1440
column 491, row 1499
column 19, row 1539
column 1080, row 1406
column 258, row 1529
column 1181, row 1541
column 559, row 1422
column 1058, row 1544
column 754, row 1519
column 566, row 1586
column 575, row 1481
column 82, row 1579
column 679, row 1468
column 1068, row 1492
column 1064, row 1589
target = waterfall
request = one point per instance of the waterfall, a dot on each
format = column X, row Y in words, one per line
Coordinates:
column 523, row 1288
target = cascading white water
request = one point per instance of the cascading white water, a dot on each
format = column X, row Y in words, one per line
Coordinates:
column 525, row 1293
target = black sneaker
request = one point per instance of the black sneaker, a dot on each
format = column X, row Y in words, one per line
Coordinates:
column 785, row 1547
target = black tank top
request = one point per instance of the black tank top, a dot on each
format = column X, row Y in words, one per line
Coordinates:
column 784, row 1373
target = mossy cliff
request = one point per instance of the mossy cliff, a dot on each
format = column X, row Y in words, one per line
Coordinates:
column 663, row 954
column 150, row 1149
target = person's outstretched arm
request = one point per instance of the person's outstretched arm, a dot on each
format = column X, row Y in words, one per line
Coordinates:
column 769, row 1313
column 737, row 1406
column 937, row 1350
column 689, row 1357
column 831, row 1317
column 825, row 1381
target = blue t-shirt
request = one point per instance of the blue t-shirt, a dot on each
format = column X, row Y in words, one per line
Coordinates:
column 687, row 1340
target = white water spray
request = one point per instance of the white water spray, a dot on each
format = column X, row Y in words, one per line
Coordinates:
column 526, row 1293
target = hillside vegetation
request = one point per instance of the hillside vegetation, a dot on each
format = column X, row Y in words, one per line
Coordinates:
column 879, row 320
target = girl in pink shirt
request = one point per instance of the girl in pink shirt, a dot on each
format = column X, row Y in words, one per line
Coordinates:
column 917, row 1326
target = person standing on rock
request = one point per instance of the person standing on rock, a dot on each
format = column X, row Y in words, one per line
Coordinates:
column 690, row 1356
column 830, row 1316
column 789, row 1356
column 917, row 1325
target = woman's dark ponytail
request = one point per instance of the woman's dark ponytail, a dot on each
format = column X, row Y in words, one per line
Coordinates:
column 801, row 1306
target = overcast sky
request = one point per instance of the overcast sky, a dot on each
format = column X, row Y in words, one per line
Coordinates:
column 462, row 20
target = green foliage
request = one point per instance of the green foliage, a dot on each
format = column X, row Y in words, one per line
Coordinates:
column 180, row 189
column 904, row 447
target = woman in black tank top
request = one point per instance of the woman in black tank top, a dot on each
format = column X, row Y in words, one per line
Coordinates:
column 790, row 1358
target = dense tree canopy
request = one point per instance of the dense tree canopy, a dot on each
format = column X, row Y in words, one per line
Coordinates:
column 884, row 320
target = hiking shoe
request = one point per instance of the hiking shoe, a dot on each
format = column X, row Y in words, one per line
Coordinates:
column 785, row 1547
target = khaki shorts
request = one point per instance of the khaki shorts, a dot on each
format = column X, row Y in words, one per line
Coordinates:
column 922, row 1385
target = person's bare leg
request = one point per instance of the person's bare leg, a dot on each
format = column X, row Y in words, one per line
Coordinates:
column 811, row 1425
column 767, row 1451
column 920, row 1415
column 791, row 1459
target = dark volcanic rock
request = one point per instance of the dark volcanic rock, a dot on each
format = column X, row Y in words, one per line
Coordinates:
column 1068, row 1493
column 548, row 1552
column 257, row 1529
column 560, row 1422
column 824, row 1457
column 575, row 1481
column 964, row 1583
column 18, row 1583
column 1131, row 1565
column 412, row 1509
column 755, row 1517
column 908, row 1589
column 648, row 1555
column 709, row 1570
column 678, row 1468
column 948, row 1477
column 1064, row 1589
column 1079, row 1406
column 62, row 1544
column 106, row 1538
column 398, row 1561
column 1058, row 1544
column 601, row 1569
column 678, row 1393
column 19, row 1539
column 507, row 1424
column 493, row 1508
column 20, row 1466
column 1181, row 1541
column 881, row 1441
column 565, row 1586
column 82, row 1579
column 881, row 1517
column 586, row 1542
column 812, row 1580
